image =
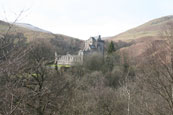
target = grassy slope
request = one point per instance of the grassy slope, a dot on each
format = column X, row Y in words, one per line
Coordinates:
column 30, row 34
column 149, row 29
column 143, row 36
column 61, row 42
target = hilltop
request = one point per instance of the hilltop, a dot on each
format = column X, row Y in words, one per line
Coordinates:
column 149, row 29
column 59, row 42
column 31, row 27
column 141, row 37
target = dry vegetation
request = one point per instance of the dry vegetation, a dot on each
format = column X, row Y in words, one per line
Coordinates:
column 110, row 86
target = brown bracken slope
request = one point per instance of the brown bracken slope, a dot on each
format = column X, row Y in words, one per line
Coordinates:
column 143, row 36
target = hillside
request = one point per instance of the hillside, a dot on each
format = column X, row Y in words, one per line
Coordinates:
column 149, row 29
column 31, row 27
column 143, row 36
column 59, row 42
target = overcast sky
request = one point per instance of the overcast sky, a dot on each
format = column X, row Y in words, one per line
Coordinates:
column 85, row 18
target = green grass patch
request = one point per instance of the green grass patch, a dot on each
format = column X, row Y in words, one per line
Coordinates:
column 53, row 65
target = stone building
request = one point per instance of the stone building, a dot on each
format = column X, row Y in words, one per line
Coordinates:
column 92, row 45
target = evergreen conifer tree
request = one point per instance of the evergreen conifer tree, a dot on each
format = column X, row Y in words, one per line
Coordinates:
column 111, row 48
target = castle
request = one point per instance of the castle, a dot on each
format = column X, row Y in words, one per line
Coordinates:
column 92, row 45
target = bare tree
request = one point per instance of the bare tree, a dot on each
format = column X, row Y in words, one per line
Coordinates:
column 12, row 60
column 157, row 71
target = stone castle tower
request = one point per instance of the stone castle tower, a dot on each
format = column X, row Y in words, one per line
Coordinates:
column 92, row 45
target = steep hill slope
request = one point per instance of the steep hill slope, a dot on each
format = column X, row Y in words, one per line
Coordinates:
column 29, row 31
column 62, row 43
column 149, row 29
column 143, row 36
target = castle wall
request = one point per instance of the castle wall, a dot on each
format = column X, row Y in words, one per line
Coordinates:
column 69, row 59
